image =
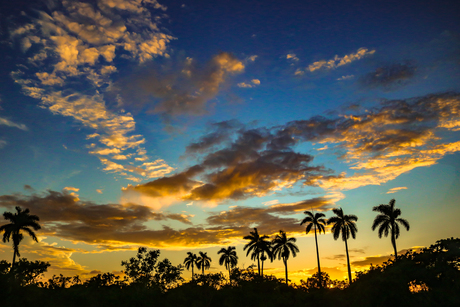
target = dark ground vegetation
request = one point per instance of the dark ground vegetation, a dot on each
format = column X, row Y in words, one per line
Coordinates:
column 430, row 277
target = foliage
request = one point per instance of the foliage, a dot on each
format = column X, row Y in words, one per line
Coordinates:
column 24, row 273
column 228, row 258
column 191, row 261
column 203, row 262
column 144, row 270
column 316, row 222
column 325, row 282
column 387, row 222
column 104, row 280
column 344, row 225
column 213, row 280
column 283, row 247
column 20, row 221
column 258, row 245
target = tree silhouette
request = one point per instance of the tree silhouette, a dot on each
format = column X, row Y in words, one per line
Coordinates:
column 388, row 220
column 317, row 222
column 228, row 258
column 283, row 247
column 345, row 225
column 191, row 261
column 20, row 221
column 203, row 262
column 258, row 245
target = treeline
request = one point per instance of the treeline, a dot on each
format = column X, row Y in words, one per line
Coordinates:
column 430, row 277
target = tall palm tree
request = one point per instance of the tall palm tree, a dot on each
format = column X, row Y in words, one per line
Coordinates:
column 345, row 225
column 191, row 261
column 20, row 221
column 203, row 262
column 283, row 247
column 258, row 245
column 317, row 222
column 388, row 220
column 228, row 258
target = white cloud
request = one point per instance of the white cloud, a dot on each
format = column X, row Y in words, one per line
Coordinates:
column 340, row 61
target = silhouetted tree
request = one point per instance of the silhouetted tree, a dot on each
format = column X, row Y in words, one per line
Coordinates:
column 20, row 221
column 191, row 261
column 317, row 222
column 203, row 262
column 144, row 270
column 388, row 220
column 344, row 225
column 228, row 258
column 257, row 246
column 283, row 247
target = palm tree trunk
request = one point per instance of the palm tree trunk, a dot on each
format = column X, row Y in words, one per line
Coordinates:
column 393, row 241
column 286, row 270
column 262, row 268
column 258, row 262
column 14, row 259
column 192, row 271
column 317, row 257
column 202, row 269
column 348, row 262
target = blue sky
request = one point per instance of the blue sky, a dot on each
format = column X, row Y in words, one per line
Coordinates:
column 183, row 125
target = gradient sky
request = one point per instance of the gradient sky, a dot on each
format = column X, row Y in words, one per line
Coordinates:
column 183, row 125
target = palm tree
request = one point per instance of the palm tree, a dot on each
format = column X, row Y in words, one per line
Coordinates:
column 283, row 247
column 228, row 258
column 317, row 222
column 345, row 225
column 388, row 221
column 203, row 262
column 258, row 245
column 191, row 261
column 20, row 221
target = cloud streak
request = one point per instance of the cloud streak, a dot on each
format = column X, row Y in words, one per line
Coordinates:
column 339, row 61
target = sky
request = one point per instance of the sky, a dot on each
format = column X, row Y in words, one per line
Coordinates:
column 183, row 125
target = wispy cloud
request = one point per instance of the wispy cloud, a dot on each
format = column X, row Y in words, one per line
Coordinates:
column 394, row 190
column 78, row 41
column 9, row 123
column 339, row 61
column 254, row 83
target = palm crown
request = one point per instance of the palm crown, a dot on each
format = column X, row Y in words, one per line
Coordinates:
column 258, row 245
column 228, row 258
column 315, row 221
column 283, row 247
column 190, row 261
column 203, row 262
column 387, row 221
column 345, row 225
column 20, row 221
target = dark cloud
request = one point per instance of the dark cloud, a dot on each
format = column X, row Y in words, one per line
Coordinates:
column 378, row 260
column 236, row 162
column 116, row 227
column 389, row 77
column 220, row 132
column 183, row 88
column 267, row 219
column 248, row 166
column 55, row 208
column 28, row 188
